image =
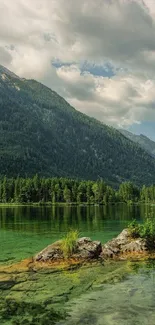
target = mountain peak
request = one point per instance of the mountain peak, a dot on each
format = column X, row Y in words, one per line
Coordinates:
column 144, row 136
column 5, row 71
column 40, row 133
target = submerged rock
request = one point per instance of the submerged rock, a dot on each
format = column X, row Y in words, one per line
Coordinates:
column 85, row 249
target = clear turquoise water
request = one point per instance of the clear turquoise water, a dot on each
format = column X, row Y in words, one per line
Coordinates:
column 127, row 302
column 26, row 230
column 121, row 293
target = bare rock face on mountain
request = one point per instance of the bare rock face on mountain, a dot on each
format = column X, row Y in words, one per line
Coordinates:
column 85, row 249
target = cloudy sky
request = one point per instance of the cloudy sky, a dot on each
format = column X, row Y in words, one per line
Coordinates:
column 98, row 54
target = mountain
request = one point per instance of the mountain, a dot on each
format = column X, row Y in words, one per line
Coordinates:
column 142, row 140
column 41, row 133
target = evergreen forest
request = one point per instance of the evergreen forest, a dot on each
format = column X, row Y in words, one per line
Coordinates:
column 64, row 190
column 40, row 133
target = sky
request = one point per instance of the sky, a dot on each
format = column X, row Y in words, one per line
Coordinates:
column 98, row 54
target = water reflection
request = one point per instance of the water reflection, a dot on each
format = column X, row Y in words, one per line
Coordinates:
column 61, row 218
column 25, row 230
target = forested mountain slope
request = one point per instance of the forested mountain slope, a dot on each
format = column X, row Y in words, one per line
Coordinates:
column 142, row 140
column 41, row 133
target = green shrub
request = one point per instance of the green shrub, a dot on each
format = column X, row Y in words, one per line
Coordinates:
column 134, row 229
column 69, row 243
column 145, row 230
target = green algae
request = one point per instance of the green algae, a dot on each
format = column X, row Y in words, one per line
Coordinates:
column 41, row 297
column 127, row 302
column 21, row 313
column 111, row 293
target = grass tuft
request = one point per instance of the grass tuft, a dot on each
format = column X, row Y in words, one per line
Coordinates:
column 69, row 243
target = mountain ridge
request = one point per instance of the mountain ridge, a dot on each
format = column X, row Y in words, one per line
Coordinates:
column 41, row 133
column 144, row 141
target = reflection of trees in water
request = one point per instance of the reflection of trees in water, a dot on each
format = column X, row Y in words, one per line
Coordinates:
column 61, row 219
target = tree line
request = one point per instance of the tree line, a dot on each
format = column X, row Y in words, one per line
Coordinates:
column 64, row 190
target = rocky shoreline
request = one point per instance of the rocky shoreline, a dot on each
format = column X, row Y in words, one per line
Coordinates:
column 120, row 248
column 38, row 290
column 123, row 247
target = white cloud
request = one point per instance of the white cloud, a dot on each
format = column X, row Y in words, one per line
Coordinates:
column 121, row 32
column 121, row 100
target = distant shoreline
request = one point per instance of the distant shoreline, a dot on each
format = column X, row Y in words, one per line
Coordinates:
column 57, row 204
column 64, row 204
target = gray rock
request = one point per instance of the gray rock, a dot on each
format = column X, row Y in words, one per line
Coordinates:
column 85, row 249
column 138, row 246
column 123, row 244
column 107, row 252
column 83, row 240
column 50, row 253
column 123, row 238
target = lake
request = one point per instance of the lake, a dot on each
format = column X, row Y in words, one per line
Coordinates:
column 86, row 296
column 26, row 230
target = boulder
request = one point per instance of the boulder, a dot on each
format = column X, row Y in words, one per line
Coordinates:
column 137, row 246
column 123, row 238
column 50, row 253
column 113, row 247
column 107, row 252
column 85, row 249
column 123, row 244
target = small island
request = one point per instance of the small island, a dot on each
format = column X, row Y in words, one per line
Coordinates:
column 135, row 242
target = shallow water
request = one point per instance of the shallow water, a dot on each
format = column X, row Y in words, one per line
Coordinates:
column 128, row 302
column 110, row 294
column 117, row 293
